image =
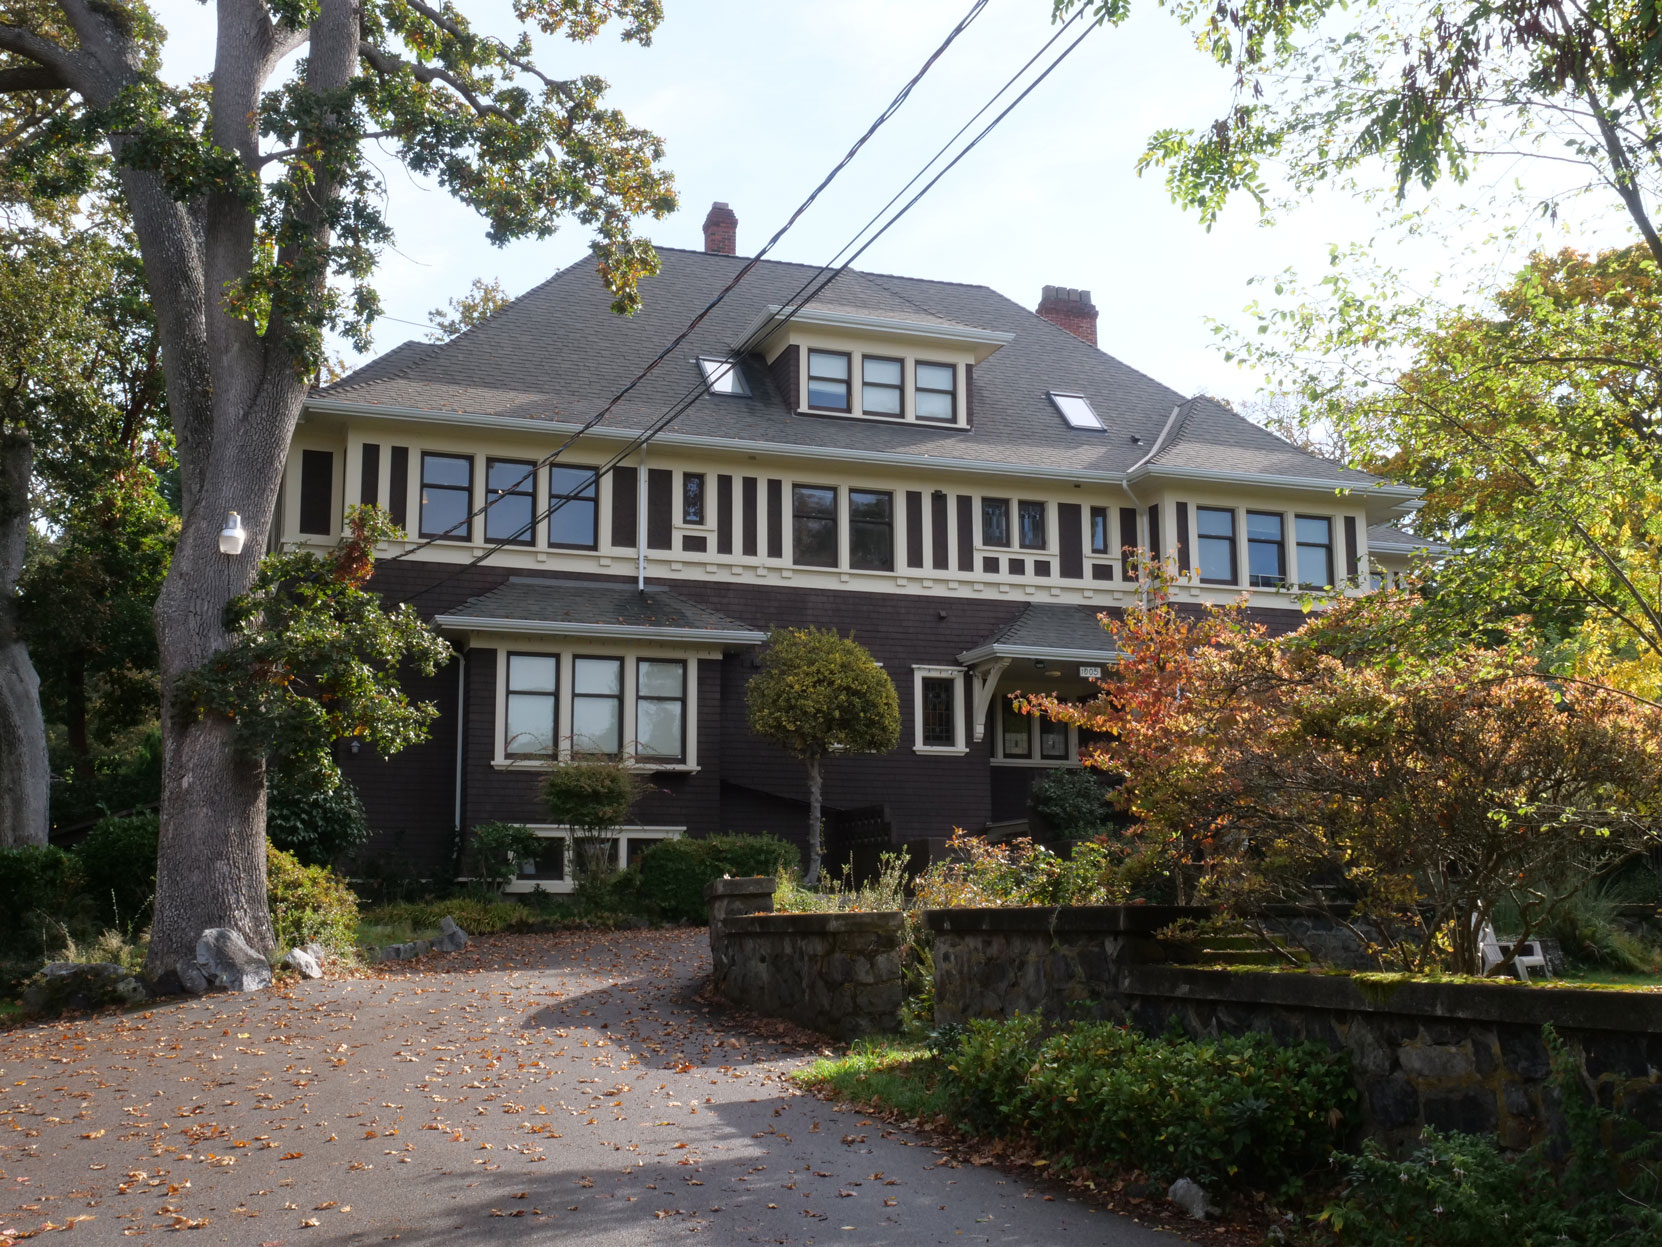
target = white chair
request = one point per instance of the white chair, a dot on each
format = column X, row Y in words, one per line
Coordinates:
column 1529, row 955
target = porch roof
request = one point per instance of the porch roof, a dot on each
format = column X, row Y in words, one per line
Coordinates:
column 595, row 608
column 1066, row 633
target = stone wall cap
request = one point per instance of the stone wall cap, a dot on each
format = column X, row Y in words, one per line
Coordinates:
column 749, row 885
column 1569, row 1007
column 883, row 921
column 1108, row 919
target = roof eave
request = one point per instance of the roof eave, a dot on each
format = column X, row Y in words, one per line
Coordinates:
column 986, row 341
column 543, row 627
column 982, row 653
column 1369, row 485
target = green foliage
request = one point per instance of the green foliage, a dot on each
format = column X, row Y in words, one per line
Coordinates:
column 482, row 301
column 40, row 886
column 314, row 659
column 895, row 1079
column 978, row 873
column 819, row 692
column 496, row 850
column 1232, row 1113
column 1600, row 1185
column 673, row 873
column 118, row 865
column 309, row 904
column 884, row 891
column 126, row 775
column 591, row 796
column 1072, row 802
column 318, row 826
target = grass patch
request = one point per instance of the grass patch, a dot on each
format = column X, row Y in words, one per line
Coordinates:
column 891, row 1075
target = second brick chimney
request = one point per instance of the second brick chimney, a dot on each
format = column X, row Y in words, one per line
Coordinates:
column 1069, row 309
column 721, row 230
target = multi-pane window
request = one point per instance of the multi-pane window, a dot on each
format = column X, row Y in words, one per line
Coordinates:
column 814, row 525
column 1015, row 732
column 446, row 495
column 661, row 709
column 995, row 521
column 571, row 502
column 828, row 380
column 1216, row 527
column 935, row 392
column 510, row 500
column 1030, row 525
column 692, row 497
column 1266, row 550
column 871, row 530
column 1315, row 549
column 880, row 385
column 597, row 706
column 533, row 709
column 939, row 712
column 1099, row 530
column 1053, row 740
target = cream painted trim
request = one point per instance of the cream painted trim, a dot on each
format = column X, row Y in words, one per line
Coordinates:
column 628, row 632
column 1377, row 488
column 825, row 319
column 558, row 831
column 1004, row 653
column 921, row 672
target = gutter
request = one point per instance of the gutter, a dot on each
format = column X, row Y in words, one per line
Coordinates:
column 1089, row 657
column 543, row 627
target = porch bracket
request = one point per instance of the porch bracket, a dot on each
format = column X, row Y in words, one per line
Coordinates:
column 984, row 683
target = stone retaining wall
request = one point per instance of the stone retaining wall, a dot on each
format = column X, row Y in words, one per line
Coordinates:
column 839, row 973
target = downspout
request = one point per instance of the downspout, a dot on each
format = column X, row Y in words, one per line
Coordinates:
column 1142, row 517
column 640, row 524
column 461, row 735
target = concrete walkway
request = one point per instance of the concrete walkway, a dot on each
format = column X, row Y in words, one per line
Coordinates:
column 538, row 1089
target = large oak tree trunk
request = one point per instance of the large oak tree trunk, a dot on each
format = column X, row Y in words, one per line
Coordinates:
column 25, row 778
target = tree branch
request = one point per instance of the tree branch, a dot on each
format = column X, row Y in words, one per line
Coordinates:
column 32, row 78
column 43, row 52
column 384, row 62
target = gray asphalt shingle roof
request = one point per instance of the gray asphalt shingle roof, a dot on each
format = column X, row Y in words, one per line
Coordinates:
column 1388, row 538
column 592, row 604
column 1055, row 627
column 559, row 353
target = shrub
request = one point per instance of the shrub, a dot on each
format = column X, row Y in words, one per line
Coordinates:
column 118, row 863
column 886, row 890
column 319, row 826
column 674, row 872
column 1072, row 803
column 309, row 904
column 591, row 796
column 1019, row 872
column 1243, row 1113
column 498, row 849
column 40, row 887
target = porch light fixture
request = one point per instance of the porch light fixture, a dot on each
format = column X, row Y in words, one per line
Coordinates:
column 232, row 535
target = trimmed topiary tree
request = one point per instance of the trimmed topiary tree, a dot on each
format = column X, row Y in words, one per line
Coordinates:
column 592, row 796
column 818, row 693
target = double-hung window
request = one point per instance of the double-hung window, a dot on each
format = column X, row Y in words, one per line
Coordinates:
column 446, row 496
column 814, row 525
column 995, row 521
column 1266, row 549
column 881, row 382
column 597, row 706
column 661, row 710
column 1099, row 530
column 510, row 501
column 531, row 726
column 1315, row 550
column 692, row 498
column 571, row 502
column 828, row 380
column 1030, row 525
column 871, row 530
column 935, row 392
column 1216, row 544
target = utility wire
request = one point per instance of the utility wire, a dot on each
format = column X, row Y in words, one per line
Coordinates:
column 888, row 112
column 805, row 295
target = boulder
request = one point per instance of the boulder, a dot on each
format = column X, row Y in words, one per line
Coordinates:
column 228, row 962
column 316, row 952
column 1191, row 1198
column 451, row 937
column 73, row 985
column 191, row 979
column 301, row 960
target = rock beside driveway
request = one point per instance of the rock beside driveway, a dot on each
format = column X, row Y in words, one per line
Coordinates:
column 451, row 937
column 73, row 985
column 228, row 962
column 301, row 960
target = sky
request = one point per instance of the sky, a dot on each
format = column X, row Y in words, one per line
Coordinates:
column 757, row 99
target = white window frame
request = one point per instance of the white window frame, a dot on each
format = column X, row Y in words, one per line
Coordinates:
column 580, row 647
column 921, row 673
column 997, row 733
column 556, row 831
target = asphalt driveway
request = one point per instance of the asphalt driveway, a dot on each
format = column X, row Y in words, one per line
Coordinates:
column 539, row 1089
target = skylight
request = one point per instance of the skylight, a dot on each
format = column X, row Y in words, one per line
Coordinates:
column 722, row 376
column 1076, row 409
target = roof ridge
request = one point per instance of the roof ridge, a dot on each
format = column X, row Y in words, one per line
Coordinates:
column 878, row 281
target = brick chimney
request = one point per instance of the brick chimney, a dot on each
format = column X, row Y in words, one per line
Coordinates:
column 721, row 230
column 1069, row 309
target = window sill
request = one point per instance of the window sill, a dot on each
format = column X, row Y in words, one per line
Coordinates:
column 1047, row 763
column 544, row 764
column 942, row 751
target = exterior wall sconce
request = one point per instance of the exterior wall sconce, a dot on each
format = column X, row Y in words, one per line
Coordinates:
column 232, row 535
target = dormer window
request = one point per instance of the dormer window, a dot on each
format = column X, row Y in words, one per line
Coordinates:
column 1076, row 409
column 828, row 375
column 937, row 392
column 723, row 376
column 881, row 384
